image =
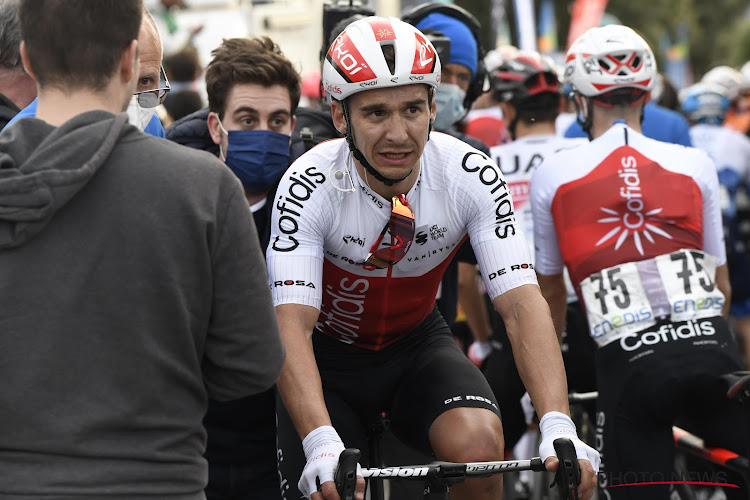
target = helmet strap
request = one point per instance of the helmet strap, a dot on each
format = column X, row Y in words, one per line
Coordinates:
column 586, row 109
column 361, row 157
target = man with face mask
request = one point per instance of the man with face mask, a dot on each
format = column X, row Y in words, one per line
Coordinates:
column 463, row 74
column 253, row 93
column 141, row 108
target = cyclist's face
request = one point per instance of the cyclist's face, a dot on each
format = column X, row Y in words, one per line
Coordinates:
column 390, row 126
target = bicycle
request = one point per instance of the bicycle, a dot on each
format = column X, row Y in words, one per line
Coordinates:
column 738, row 384
column 438, row 476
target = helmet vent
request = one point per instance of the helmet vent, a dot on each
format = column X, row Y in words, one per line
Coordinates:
column 604, row 64
column 636, row 62
column 389, row 54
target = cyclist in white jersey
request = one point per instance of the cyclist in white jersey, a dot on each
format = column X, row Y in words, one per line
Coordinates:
column 706, row 105
column 638, row 225
column 354, row 288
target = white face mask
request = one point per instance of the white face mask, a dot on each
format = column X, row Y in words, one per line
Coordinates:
column 137, row 115
column 450, row 105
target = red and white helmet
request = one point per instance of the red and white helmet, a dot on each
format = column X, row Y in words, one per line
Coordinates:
column 609, row 58
column 355, row 61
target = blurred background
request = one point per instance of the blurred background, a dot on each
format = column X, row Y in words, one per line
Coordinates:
column 688, row 36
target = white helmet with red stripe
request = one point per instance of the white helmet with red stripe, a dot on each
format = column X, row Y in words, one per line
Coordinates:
column 355, row 61
column 609, row 58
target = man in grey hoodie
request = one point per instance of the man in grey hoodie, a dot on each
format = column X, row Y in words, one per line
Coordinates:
column 132, row 284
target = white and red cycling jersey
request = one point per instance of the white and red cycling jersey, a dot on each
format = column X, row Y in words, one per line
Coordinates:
column 322, row 235
column 625, row 198
column 517, row 161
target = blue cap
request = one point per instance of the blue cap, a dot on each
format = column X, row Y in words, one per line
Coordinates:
column 463, row 43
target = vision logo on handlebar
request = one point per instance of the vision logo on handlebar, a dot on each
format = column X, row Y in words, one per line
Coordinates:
column 438, row 476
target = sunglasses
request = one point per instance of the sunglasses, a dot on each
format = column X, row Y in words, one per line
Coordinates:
column 152, row 98
column 402, row 228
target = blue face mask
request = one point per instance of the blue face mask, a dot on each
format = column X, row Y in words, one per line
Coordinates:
column 257, row 157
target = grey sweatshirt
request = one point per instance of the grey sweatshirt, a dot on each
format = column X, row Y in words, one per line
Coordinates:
column 132, row 288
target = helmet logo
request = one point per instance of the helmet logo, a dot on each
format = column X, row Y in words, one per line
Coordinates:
column 424, row 59
column 347, row 60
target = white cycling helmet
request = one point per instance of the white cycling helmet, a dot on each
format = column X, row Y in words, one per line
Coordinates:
column 355, row 61
column 726, row 77
column 609, row 58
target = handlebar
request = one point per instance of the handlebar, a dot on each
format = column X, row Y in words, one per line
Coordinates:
column 447, row 473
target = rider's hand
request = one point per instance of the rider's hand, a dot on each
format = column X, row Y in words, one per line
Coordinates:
column 478, row 352
column 322, row 449
column 555, row 425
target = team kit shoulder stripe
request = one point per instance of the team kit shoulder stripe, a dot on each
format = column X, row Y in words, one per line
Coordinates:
column 347, row 60
column 424, row 57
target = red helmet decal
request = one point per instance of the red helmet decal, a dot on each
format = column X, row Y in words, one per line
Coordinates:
column 424, row 57
column 382, row 29
column 347, row 60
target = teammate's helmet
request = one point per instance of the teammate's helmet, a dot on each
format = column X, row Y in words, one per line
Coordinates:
column 728, row 78
column 524, row 75
column 705, row 103
column 609, row 58
column 498, row 56
column 356, row 61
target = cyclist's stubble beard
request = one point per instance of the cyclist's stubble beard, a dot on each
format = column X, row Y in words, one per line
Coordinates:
column 360, row 157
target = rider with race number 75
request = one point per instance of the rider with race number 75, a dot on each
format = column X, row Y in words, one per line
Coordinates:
column 363, row 228
column 637, row 223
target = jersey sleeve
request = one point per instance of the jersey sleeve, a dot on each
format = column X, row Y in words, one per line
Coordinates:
column 713, row 231
column 300, row 215
column 483, row 201
column 547, row 257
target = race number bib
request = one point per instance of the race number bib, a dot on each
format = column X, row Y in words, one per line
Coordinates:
column 616, row 303
column 628, row 298
column 689, row 279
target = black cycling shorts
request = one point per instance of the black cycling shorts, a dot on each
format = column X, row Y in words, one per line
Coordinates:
column 415, row 380
column 668, row 374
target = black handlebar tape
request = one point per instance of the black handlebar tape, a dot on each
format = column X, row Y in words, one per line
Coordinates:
column 568, row 475
column 346, row 473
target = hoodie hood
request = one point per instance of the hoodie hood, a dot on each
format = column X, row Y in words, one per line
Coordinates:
column 42, row 167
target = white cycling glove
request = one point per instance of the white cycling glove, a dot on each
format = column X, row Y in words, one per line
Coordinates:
column 558, row 425
column 322, row 449
column 478, row 352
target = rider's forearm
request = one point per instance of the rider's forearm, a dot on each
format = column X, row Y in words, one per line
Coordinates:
column 472, row 303
column 299, row 385
column 535, row 348
column 556, row 294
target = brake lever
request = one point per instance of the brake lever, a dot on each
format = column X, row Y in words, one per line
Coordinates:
column 568, row 475
column 346, row 473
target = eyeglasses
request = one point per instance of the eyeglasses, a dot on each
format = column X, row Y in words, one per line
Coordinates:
column 152, row 98
column 402, row 228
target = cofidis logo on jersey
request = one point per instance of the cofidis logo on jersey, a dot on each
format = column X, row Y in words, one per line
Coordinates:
column 633, row 220
column 489, row 175
column 290, row 205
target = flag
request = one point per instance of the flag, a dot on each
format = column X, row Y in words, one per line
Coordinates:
column 525, row 25
column 547, row 28
column 586, row 14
